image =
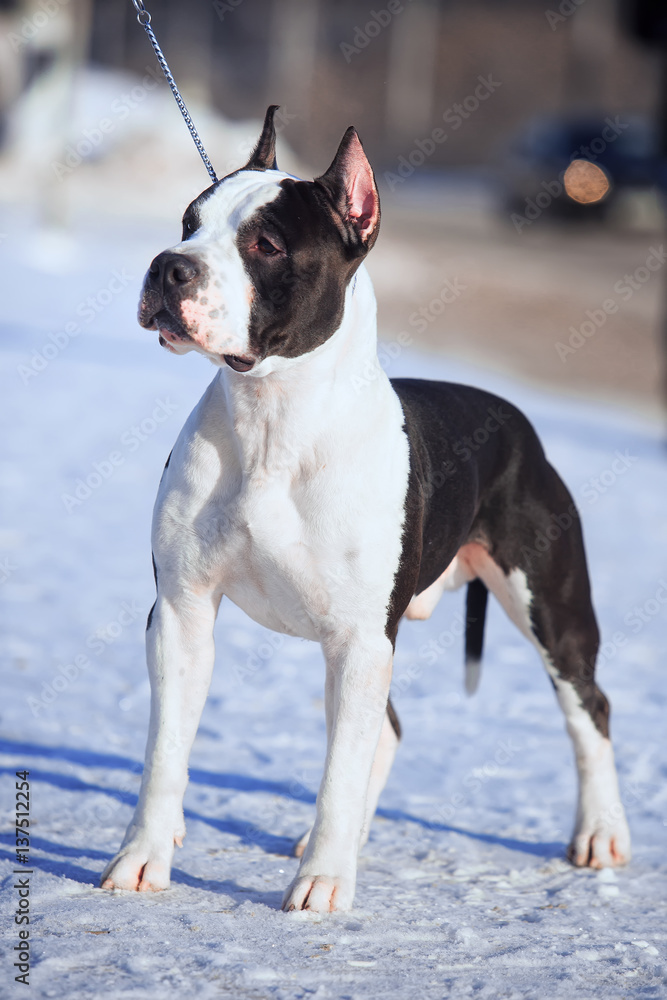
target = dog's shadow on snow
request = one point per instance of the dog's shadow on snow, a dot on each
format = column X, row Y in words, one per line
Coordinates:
column 98, row 811
column 61, row 865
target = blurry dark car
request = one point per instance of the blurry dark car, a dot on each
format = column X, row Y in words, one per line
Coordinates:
column 625, row 146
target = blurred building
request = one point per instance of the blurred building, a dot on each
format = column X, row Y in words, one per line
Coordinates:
column 475, row 107
column 393, row 68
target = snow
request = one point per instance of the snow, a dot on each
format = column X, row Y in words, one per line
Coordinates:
column 462, row 890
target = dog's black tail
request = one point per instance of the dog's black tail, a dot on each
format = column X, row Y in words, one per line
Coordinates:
column 476, row 598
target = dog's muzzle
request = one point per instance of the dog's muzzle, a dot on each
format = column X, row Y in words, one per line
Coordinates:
column 171, row 272
column 169, row 280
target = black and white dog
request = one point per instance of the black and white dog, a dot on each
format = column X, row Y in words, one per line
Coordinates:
column 329, row 513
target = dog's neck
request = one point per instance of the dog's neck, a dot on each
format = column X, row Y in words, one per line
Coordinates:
column 284, row 412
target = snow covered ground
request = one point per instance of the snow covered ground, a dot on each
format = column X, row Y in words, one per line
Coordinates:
column 462, row 888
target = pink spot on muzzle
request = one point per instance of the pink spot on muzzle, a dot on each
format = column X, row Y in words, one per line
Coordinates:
column 195, row 314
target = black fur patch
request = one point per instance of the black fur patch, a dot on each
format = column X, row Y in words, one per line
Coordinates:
column 478, row 473
column 393, row 718
column 476, row 598
column 449, row 473
column 299, row 289
column 191, row 219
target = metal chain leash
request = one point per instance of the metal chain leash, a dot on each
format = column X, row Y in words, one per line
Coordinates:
column 144, row 19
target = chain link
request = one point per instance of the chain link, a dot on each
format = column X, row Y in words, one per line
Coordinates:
column 144, row 19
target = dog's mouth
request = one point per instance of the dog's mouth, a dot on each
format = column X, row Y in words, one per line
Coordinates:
column 170, row 330
column 239, row 363
column 173, row 336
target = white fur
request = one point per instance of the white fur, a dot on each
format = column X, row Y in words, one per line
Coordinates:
column 382, row 762
column 217, row 317
column 286, row 493
column 457, row 573
column 601, row 837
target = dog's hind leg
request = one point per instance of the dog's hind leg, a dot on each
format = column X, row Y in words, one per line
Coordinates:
column 548, row 598
column 180, row 653
column 568, row 639
column 382, row 762
column 384, row 758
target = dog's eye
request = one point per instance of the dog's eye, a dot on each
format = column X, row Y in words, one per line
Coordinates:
column 188, row 228
column 266, row 247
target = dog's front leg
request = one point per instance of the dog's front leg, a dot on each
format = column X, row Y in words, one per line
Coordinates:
column 358, row 679
column 180, row 653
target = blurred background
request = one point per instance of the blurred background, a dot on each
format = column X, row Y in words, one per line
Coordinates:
column 470, row 112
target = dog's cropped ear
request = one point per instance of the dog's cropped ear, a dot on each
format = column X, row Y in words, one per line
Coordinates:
column 263, row 156
column 350, row 183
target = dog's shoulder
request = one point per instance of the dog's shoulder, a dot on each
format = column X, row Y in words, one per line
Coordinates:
column 461, row 431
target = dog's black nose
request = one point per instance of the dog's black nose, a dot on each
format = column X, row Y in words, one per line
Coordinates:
column 173, row 270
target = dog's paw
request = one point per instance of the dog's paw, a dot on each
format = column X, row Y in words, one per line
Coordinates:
column 139, row 868
column 319, row 893
column 603, row 847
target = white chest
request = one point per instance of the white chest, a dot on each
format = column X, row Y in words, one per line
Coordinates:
column 286, row 492
column 309, row 548
column 303, row 530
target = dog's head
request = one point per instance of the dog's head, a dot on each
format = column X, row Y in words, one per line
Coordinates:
column 261, row 271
